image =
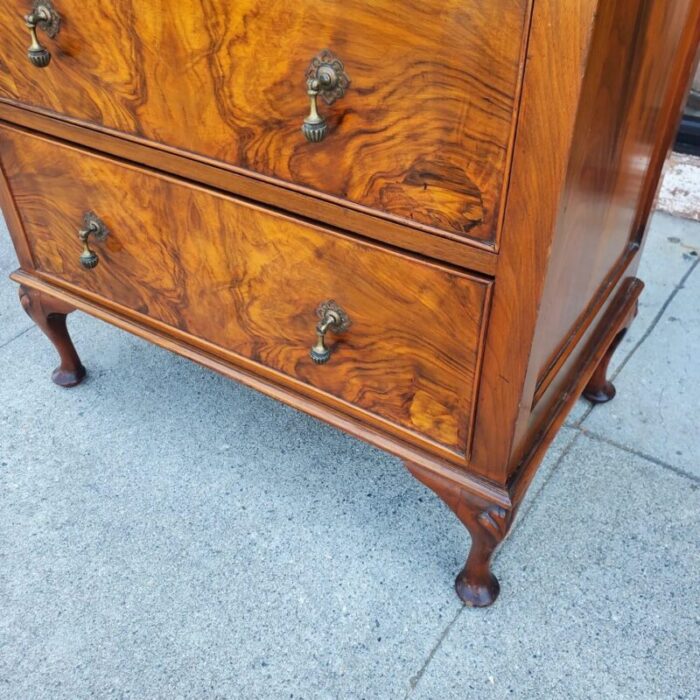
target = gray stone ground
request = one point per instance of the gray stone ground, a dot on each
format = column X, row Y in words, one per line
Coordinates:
column 166, row 533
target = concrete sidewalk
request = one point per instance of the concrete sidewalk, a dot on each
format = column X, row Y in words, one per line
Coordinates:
column 167, row 533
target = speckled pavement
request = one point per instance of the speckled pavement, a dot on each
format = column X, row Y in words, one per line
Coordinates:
column 166, row 533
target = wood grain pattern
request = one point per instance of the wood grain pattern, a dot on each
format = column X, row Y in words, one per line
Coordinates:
column 626, row 267
column 250, row 281
column 641, row 62
column 556, row 62
column 601, row 84
column 623, row 109
column 266, row 382
column 479, row 258
column 234, row 286
column 574, row 376
column 422, row 135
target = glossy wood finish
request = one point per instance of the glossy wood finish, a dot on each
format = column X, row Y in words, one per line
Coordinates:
column 431, row 126
column 603, row 218
column 599, row 388
column 250, row 281
column 576, row 373
column 577, row 190
column 623, row 105
column 234, row 286
column 50, row 315
column 487, row 523
column 472, row 257
column 269, row 383
column 557, row 51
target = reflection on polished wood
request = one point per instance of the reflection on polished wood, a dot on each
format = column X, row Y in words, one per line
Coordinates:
column 441, row 268
column 250, row 282
column 428, row 118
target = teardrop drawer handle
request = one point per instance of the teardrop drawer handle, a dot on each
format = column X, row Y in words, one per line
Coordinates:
column 325, row 77
column 92, row 226
column 43, row 16
column 331, row 318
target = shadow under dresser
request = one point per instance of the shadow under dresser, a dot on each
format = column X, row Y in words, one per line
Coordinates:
column 418, row 221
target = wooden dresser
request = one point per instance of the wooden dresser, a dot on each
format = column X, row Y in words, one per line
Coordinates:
column 417, row 221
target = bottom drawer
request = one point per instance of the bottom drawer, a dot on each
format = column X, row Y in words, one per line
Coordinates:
column 250, row 281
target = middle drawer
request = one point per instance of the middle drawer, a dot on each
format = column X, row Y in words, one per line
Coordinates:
column 250, row 281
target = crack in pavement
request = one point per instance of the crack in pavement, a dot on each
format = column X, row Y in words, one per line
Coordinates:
column 19, row 335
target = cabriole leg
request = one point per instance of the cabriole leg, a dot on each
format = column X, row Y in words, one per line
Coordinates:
column 488, row 524
column 599, row 388
column 50, row 315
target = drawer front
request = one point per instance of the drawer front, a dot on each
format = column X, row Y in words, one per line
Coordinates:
column 422, row 134
column 250, row 281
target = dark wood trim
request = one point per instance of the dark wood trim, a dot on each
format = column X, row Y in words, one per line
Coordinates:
column 557, row 54
column 613, row 321
column 604, row 188
column 478, row 370
column 50, row 314
column 365, row 222
column 571, row 341
column 467, row 273
column 487, row 523
column 599, row 388
column 502, row 202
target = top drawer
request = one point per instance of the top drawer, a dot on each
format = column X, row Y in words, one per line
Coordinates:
column 422, row 134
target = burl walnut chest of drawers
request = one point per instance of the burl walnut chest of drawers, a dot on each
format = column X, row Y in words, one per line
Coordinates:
column 417, row 221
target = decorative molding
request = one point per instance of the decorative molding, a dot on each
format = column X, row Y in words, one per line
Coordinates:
column 495, row 520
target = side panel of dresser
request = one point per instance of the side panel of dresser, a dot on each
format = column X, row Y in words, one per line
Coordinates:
column 634, row 91
column 554, row 69
column 246, row 282
column 566, row 272
column 626, row 105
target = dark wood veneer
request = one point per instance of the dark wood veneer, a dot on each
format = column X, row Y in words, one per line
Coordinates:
column 50, row 314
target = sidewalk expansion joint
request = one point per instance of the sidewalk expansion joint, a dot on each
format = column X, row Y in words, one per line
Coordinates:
column 653, row 324
column 415, row 680
column 19, row 335
column 642, row 455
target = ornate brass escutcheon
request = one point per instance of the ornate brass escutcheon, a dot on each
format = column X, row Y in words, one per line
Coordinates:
column 331, row 318
column 325, row 77
column 92, row 226
column 43, row 16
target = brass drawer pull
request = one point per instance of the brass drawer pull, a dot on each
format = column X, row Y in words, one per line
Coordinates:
column 42, row 16
column 325, row 77
column 331, row 318
column 92, row 226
